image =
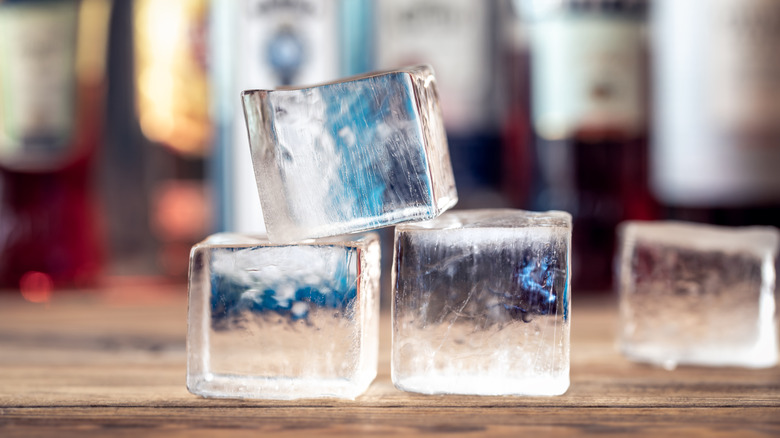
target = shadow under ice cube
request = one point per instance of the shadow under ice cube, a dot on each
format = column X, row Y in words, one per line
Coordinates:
column 698, row 294
column 481, row 304
column 349, row 156
column 283, row 321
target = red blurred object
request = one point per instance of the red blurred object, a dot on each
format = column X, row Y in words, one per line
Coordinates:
column 48, row 220
column 50, row 130
column 36, row 287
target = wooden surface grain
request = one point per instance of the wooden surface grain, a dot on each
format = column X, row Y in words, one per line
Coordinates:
column 112, row 363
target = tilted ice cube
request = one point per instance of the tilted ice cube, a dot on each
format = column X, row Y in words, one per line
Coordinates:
column 698, row 294
column 283, row 321
column 349, row 156
column 481, row 303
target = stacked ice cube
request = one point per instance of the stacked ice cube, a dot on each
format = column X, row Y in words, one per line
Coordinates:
column 283, row 321
column 481, row 304
column 482, row 297
column 349, row 156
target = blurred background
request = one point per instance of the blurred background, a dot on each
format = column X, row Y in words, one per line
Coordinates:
column 122, row 139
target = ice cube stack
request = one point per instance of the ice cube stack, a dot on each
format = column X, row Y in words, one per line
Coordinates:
column 482, row 298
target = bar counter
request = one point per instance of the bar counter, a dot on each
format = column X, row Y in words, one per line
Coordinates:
column 111, row 362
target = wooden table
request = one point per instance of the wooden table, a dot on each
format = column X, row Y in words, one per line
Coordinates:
column 112, row 363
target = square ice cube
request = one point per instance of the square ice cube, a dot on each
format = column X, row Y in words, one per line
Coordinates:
column 481, row 304
column 697, row 294
column 283, row 321
column 349, row 156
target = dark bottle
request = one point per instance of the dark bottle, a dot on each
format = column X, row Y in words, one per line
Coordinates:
column 458, row 39
column 716, row 150
column 517, row 155
column 589, row 106
column 52, row 56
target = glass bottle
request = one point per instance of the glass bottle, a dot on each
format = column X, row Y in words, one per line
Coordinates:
column 262, row 44
column 716, row 152
column 590, row 122
column 52, row 83
column 172, row 99
column 517, row 153
column 458, row 38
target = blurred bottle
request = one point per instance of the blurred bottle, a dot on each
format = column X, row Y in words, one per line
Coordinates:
column 52, row 62
column 589, row 98
column 517, row 140
column 262, row 44
column 457, row 38
column 172, row 96
column 716, row 150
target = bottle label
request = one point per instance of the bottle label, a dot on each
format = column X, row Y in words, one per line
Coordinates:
column 716, row 141
column 453, row 36
column 289, row 42
column 273, row 43
column 588, row 72
column 37, row 82
column 745, row 65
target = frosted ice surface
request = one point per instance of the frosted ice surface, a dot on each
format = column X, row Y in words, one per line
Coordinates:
column 698, row 294
column 349, row 156
column 283, row 321
column 481, row 303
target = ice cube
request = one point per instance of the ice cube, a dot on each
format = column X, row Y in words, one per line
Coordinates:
column 481, row 303
column 697, row 294
column 349, row 156
column 283, row 321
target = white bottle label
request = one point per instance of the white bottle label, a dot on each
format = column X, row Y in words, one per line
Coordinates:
column 275, row 42
column 717, row 101
column 588, row 72
column 745, row 65
column 453, row 36
column 288, row 42
column 37, row 82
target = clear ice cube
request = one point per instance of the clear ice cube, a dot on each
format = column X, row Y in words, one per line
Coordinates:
column 283, row 321
column 349, row 156
column 481, row 303
column 698, row 294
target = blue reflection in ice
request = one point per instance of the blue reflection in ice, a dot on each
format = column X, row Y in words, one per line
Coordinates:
column 284, row 286
column 535, row 277
column 375, row 129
